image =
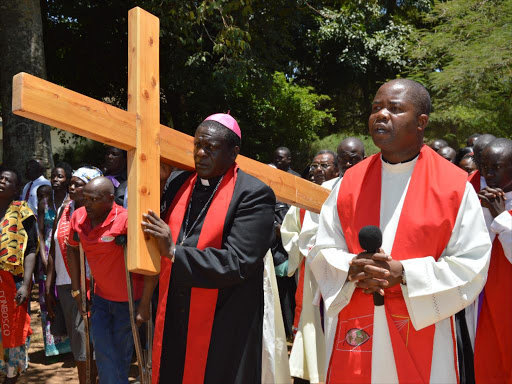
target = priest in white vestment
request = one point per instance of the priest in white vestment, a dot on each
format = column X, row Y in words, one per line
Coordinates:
column 307, row 357
column 424, row 203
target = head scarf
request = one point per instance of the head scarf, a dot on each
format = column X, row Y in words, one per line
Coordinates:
column 87, row 173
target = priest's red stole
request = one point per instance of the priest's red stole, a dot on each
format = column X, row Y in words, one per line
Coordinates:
column 299, row 294
column 493, row 344
column 426, row 222
column 202, row 301
column 474, row 180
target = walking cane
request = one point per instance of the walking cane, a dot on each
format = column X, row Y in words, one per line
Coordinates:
column 83, row 292
column 143, row 358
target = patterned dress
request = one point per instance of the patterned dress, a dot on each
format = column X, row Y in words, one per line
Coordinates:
column 53, row 345
column 16, row 239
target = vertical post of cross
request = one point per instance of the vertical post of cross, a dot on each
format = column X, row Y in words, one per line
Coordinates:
column 144, row 159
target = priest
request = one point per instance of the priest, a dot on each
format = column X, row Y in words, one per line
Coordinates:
column 432, row 262
column 493, row 350
column 476, row 179
column 213, row 239
column 307, row 357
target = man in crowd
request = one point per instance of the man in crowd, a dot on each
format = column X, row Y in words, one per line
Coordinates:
column 287, row 285
column 437, row 144
column 432, row 261
column 468, row 164
column 114, row 169
column 282, row 160
column 307, row 358
column 471, row 140
column 34, row 172
column 97, row 224
column 493, row 351
column 448, row 153
column 350, row 152
column 216, row 233
column 476, row 179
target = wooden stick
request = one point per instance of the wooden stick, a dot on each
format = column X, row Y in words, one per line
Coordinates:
column 83, row 292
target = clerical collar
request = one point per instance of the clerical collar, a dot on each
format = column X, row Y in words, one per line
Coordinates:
column 403, row 167
column 208, row 183
column 402, row 162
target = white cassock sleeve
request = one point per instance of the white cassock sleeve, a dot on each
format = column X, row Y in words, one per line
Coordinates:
column 290, row 230
column 329, row 258
column 309, row 230
column 502, row 227
column 438, row 289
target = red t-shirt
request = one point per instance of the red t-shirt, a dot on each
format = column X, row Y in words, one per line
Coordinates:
column 105, row 257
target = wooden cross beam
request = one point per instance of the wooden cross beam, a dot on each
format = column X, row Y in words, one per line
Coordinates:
column 139, row 132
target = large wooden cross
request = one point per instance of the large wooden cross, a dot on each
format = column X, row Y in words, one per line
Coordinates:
column 139, row 132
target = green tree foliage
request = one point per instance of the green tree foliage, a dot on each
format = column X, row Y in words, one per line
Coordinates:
column 352, row 48
column 214, row 56
column 332, row 141
column 280, row 113
column 464, row 57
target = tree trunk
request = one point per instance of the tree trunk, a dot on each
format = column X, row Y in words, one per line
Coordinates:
column 22, row 50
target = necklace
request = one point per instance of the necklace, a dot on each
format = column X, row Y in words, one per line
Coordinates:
column 187, row 234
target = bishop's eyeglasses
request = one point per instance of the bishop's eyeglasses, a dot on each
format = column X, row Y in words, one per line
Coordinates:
column 324, row 166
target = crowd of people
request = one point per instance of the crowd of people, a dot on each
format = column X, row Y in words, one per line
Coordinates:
column 402, row 276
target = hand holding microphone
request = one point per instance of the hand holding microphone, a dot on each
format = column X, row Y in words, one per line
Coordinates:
column 373, row 270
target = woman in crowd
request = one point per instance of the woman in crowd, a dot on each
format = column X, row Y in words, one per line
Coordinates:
column 58, row 273
column 19, row 245
column 57, row 343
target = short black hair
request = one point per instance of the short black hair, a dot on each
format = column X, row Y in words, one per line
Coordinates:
column 419, row 95
column 463, row 152
column 232, row 139
column 329, row 152
column 123, row 152
column 38, row 162
column 501, row 143
column 16, row 173
column 286, row 149
column 68, row 169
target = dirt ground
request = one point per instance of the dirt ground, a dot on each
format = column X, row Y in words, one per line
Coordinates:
column 54, row 369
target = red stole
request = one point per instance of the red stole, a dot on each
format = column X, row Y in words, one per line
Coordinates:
column 426, row 222
column 202, row 301
column 299, row 294
column 474, row 180
column 63, row 233
column 15, row 321
column 493, row 344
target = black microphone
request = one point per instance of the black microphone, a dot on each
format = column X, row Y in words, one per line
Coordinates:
column 370, row 239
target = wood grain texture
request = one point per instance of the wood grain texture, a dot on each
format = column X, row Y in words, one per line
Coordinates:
column 144, row 159
column 43, row 101
column 48, row 103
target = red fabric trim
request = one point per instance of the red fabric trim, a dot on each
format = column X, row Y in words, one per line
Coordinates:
column 15, row 321
column 299, row 297
column 63, row 234
column 299, row 294
column 474, row 180
column 454, row 341
column 202, row 301
column 302, row 213
column 493, row 351
column 440, row 188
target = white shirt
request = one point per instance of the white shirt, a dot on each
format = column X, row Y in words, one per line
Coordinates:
column 435, row 290
column 32, row 197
